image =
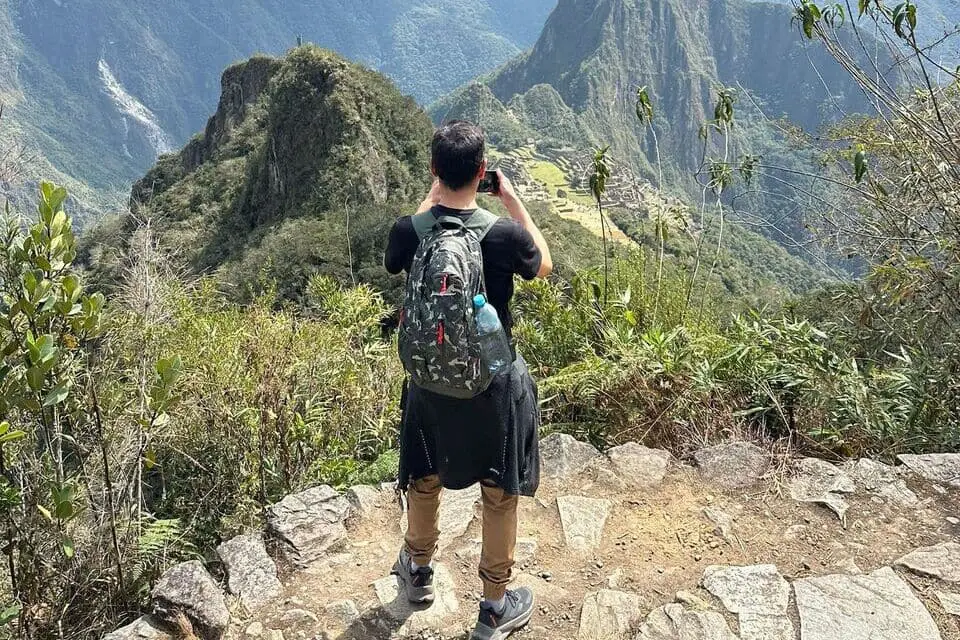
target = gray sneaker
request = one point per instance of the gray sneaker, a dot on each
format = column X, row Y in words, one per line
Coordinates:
column 417, row 585
column 516, row 613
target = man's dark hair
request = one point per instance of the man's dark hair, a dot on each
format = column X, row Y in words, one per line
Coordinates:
column 458, row 150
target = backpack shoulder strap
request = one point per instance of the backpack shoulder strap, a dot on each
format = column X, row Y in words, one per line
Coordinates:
column 481, row 222
column 423, row 223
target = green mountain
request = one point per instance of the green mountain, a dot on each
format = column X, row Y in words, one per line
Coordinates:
column 100, row 88
column 251, row 195
column 577, row 88
column 303, row 168
column 578, row 83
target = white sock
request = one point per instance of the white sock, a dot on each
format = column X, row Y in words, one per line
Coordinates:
column 497, row 606
column 414, row 566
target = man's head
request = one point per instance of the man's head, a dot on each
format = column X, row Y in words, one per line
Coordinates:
column 458, row 151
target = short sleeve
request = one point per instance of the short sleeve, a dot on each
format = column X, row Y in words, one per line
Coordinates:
column 401, row 246
column 527, row 259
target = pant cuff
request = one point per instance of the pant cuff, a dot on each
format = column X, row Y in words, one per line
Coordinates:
column 422, row 559
column 493, row 591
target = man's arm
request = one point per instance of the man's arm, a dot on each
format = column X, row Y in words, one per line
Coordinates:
column 432, row 199
column 520, row 214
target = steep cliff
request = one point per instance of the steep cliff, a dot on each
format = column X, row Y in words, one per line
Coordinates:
column 301, row 170
column 100, row 88
column 594, row 54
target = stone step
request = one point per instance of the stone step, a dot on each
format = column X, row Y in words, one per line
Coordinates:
column 590, row 592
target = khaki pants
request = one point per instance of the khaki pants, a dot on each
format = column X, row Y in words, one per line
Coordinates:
column 499, row 531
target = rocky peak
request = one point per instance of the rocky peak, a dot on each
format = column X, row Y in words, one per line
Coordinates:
column 242, row 86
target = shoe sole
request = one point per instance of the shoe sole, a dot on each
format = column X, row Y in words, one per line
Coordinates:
column 415, row 595
column 483, row 632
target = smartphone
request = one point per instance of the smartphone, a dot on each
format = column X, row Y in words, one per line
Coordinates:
column 490, row 183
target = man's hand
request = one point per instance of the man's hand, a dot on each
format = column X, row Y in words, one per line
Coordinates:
column 507, row 194
column 519, row 213
column 432, row 199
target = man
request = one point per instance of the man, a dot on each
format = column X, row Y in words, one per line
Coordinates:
column 492, row 438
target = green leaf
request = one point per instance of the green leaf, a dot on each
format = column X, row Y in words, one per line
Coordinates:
column 66, row 542
column 9, row 614
column 58, row 394
column 53, row 198
column 47, row 349
column 863, row 6
column 59, row 223
column 169, row 370
column 149, row 459
column 35, row 378
column 6, row 435
column 63, row 499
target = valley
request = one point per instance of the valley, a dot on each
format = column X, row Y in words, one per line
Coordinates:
column 125, row 81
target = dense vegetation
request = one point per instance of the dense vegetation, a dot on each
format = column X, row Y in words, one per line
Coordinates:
column 145, row 415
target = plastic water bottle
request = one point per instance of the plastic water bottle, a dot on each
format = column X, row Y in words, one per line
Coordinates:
column 494, row 344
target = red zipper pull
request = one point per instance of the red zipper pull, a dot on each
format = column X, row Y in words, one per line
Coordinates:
column 440, row 333
column 443, row 284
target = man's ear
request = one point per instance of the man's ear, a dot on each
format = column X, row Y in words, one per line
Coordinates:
column 483, row 169
column 433, row 170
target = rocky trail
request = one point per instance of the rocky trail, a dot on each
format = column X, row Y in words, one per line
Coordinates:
column 631, row 544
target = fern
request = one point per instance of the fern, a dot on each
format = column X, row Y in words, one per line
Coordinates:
column 161, row 544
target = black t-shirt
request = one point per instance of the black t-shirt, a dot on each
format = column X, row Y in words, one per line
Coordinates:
column 508, row 249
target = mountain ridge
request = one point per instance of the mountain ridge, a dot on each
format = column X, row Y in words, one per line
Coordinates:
column 126, row 80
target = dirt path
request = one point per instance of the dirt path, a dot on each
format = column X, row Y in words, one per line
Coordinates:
column 656, row 541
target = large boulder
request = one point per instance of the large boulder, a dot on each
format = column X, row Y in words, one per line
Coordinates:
column 639, row 467
column 582, row 520
column 144, row 628
column 188, row 589
column 673, row 622
column 820, row 482
column 758, row 626
column 733, row 465
column 758, row 594
column 940, row 561
column 881, row 480
column 950, row 602
column 251, row 573
column 862, row 607
column 608, row 615
column 939, row 467
column 309, row 523
column 757, row 589
column 364, row 499
column 413, row 619
column 562, row 456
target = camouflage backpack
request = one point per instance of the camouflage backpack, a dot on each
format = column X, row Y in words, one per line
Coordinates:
column 439, row 346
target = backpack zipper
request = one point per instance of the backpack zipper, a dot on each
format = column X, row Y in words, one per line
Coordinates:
column 440, row 331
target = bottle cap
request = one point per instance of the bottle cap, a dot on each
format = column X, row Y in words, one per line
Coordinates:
column 479, row 300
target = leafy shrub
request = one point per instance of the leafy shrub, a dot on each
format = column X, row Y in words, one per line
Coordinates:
column 167, row 422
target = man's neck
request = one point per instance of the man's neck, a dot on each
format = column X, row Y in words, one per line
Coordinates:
column 463, row 199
